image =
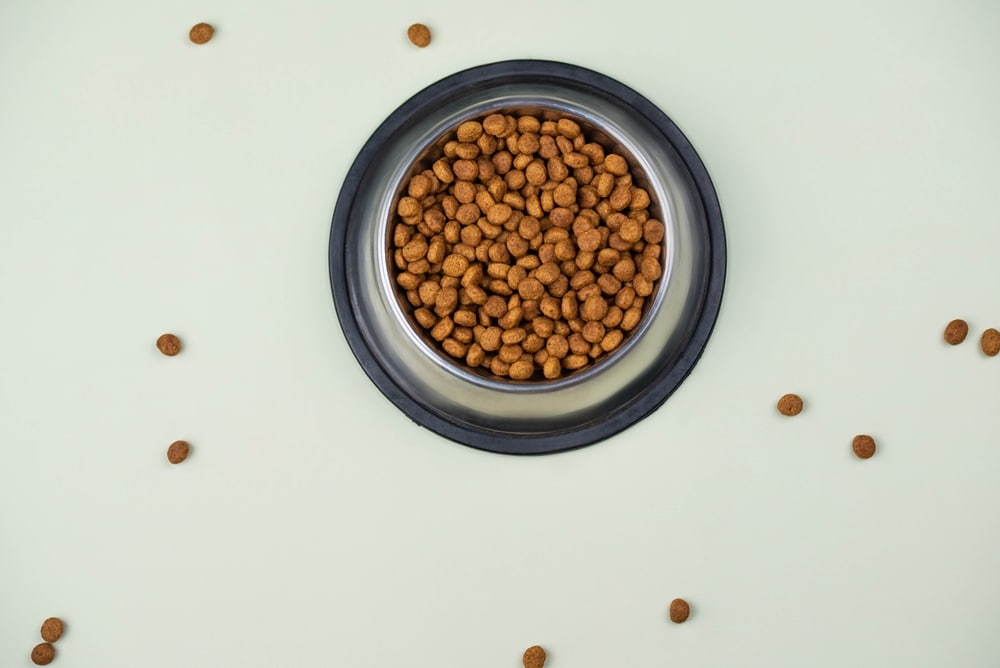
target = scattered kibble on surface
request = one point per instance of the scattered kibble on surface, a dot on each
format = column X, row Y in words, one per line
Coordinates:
column 990, row 342
column 419, row 34
column 864, row 446
column 201, row 33
column 679, row 611
column 43, row 653
column 790, row 404
column 169, row 345
column 534, row 657
column 956, row 331
column 178, row 451
column 52, row 629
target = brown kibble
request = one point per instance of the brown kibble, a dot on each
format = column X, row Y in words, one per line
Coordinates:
column 534, row 656
column 522, row 370
column 424, row 317
column 863, row 446
column 557, row 346
column 956, row 331
column 790, row 404
column 442, row 329
column 419, row 34
column 593, row 331
column 419, row 187
column 415, row 249
column 589, row 240
column 990, row 342
column 642, row 285
column 475, row 356
column 524, row 249
column 530, row 288
column 43, row 653
column 631, row 318
column 455, row 265
column 168, row 344
column 653, row 231
column 408, row 207
column 612, row 340
column 454, row 347
column 679, row 611
column 615, row 164
column 201, row 33
column 630, row 231
column 510, row 353
column 568, row 128
column 650, row 268
column 594, row 308
column 178, row 452
column 52, row 629
column 469, row 131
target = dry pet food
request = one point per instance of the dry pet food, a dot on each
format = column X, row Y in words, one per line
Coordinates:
column 956, row 331
column 864, row 446
column 679, row 611
column 526, row 251
column 201, row 33
column 169, row 345
column 52, row 629
column 419, row 34
column 790, row 404
column 43, row 653
column 534, row 657
column 990, row 343
column 178, row 451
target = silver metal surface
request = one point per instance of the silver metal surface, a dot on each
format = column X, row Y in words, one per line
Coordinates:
column 450, row 389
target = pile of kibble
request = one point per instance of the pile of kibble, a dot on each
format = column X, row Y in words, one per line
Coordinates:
column 526, row 251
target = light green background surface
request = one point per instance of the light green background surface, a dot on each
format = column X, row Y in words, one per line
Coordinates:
column 149, row 185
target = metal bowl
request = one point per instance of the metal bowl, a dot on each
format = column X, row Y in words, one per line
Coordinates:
column 529, row 417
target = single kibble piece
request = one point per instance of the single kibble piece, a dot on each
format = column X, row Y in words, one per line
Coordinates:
column 419, row 34
column 679, row 611
column 169, row 345
column 201, row 33
column 790, row 404
column 956, row 331
column 43, row 653
column 990, row 343
column 178, row 451
column 864, row 446
column 52, row 629
column 534, row 657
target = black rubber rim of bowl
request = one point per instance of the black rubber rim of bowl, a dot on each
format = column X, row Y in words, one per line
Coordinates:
column 598, row 427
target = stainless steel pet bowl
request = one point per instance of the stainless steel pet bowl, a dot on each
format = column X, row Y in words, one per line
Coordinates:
column 529, row 417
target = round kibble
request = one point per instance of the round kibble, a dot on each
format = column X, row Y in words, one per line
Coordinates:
column 956, row 331
column 52, row 629
column 790, row 404
column 863, row 446
column 679, row 611
column 43, row 653
column 534, row 657
column 990, row 342
column 419, row 34
column 201, row 33
column 168, row 344
column 178, row 451
column 526, row 251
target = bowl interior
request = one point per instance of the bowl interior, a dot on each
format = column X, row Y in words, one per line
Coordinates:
column 594, row 131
